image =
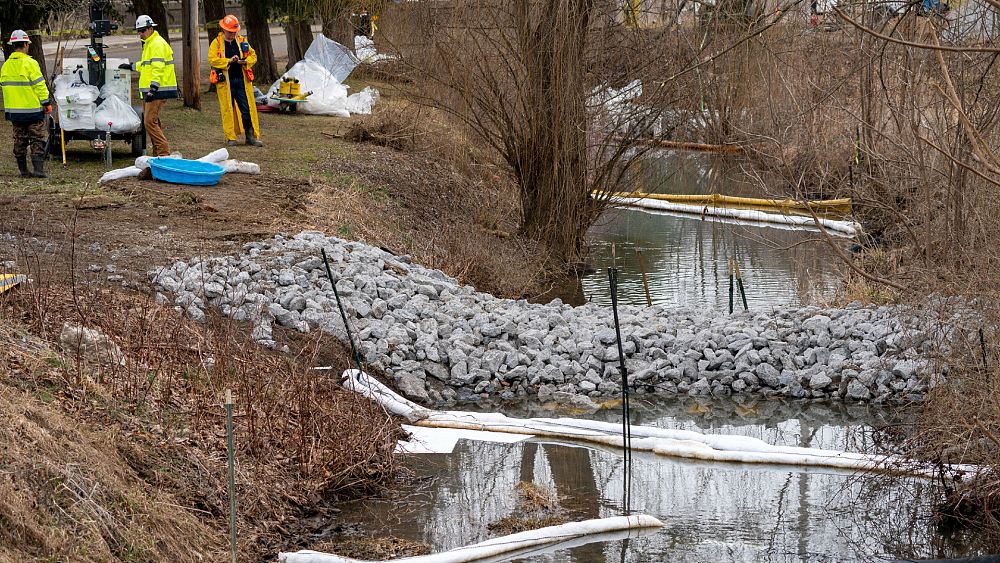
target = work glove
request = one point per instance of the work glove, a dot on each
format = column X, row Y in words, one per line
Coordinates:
column 149, row 93
column 125, row 66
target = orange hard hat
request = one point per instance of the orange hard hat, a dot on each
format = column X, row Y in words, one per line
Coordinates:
column 230, row 23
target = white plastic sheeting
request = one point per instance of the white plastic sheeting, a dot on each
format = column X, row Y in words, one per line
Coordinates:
column 841, row 228
column 429, row 440
column 497, row 547
column 332, row 56
column 322, row 71
column 662, row 441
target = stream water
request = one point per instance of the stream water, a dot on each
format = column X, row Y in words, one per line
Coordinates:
column 686, row 257
column 712, row 512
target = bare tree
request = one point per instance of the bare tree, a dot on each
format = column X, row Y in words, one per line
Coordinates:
column 566, row 95
column 156, row 10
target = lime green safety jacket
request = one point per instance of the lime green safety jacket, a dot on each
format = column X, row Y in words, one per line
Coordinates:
column 157, row 68
column 24, row 90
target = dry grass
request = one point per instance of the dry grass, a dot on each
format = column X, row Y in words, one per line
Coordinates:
column 296, row 429
column 66, row 491
column 537, row 507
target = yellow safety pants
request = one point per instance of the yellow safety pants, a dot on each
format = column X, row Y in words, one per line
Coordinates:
column 232, row 121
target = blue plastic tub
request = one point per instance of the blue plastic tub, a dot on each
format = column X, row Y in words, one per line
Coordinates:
column 182, row 171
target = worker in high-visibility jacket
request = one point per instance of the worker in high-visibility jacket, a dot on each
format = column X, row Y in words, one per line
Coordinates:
column 232, row 58
column 25, row 104
column 157, row 81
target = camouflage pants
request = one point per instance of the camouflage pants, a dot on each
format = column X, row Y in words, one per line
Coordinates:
column 30, row 134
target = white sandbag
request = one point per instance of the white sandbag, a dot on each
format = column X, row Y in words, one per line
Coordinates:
column 364, row 48
column 215, row 156
column 362, row 102
column 69, row 90
column 142, row 162
column 129, row 172
column 240, row 167
column 117, row 89
column 120, row 115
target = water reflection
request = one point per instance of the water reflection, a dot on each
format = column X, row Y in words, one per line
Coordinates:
column 712, row 512
column 686, row 258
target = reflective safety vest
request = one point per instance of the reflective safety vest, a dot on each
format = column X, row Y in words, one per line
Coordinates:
column 24, row 90
column 157, row 68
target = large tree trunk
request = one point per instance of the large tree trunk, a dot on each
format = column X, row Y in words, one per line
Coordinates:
column 29, row 19
column 552, row 163
column 155, row 10
column 338, row 28
column 215, row 10
column 299, row 37
column 192, row 54
column 255, row 18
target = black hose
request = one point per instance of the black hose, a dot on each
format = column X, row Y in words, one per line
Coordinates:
column 626, row 407
column 343, row 315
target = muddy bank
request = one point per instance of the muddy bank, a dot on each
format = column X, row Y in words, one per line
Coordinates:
column 443, row 341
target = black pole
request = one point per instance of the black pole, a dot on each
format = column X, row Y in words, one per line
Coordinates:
column 343, row 315
column 730, row 287
column 982, row 345
column 626, row 408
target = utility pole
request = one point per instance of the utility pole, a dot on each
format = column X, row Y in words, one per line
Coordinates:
column 192, row 54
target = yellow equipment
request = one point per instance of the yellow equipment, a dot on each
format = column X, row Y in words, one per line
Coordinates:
column 9, row 281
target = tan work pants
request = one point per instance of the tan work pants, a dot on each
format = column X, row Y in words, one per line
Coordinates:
column 151, row 119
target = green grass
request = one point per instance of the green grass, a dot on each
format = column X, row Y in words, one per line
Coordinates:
column 295, row 149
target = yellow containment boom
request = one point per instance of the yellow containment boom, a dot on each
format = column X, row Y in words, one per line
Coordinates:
column 719, row 200
column 9, row 281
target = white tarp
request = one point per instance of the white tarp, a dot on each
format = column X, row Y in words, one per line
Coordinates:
column 428, row 440
column 322, row 72
column 662, row 441
column 496, row 547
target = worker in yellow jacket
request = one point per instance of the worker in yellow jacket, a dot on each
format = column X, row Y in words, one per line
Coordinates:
column 157, row 81
column 232, row 58
column 26, row 101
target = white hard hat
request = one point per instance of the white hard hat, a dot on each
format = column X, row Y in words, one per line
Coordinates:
column 19, row 36
column 144, row 21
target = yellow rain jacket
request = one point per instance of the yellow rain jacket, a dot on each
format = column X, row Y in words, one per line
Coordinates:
column 232, row 122
column 157, row 68
column 24, row 90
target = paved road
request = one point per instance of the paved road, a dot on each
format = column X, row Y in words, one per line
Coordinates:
column 129, row 46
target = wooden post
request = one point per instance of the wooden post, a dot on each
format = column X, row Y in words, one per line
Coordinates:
column 192, row 54
column 645, row 282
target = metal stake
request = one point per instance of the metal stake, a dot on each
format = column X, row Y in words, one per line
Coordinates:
column 231, row 451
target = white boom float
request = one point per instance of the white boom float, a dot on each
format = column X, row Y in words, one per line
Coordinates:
column 836, row 227
column 498, row 547
column 662, row 441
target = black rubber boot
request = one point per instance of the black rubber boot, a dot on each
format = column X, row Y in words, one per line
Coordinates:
column 22, row 166
column 253, row 140
column 38, row 163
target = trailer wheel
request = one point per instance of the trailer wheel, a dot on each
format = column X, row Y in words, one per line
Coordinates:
column 138, row 143
column 54, row 146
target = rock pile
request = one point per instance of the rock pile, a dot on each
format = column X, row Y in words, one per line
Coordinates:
column 441, row 340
